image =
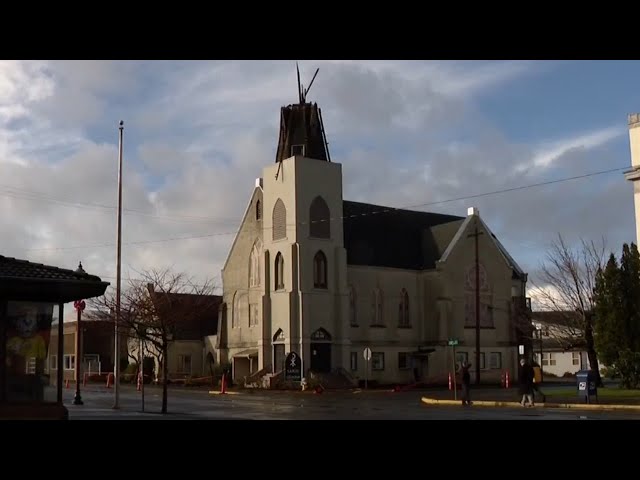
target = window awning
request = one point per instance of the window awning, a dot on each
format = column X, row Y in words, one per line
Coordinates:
column 252, row 352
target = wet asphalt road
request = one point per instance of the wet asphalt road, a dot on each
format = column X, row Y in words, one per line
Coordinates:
column 186, row 404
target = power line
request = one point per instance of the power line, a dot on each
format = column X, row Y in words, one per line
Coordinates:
column 21, row 194
column 384, row 210
column 141, row 242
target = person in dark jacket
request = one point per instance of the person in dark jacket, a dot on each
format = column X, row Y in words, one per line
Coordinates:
column 526, row 383
column 465, row 382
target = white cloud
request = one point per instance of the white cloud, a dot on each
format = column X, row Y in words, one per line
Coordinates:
column 197, row 134
column 546, row 154
column 546, row 297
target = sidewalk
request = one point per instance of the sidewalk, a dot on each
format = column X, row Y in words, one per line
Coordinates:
column 503, row 397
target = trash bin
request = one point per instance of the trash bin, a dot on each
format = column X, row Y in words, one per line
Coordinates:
column 586, row 383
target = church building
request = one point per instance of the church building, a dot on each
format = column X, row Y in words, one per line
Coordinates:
column 327, row 278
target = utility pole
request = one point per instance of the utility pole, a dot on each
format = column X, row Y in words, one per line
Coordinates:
column 141, row 372
column 475, row 235
column 116, row 366
column 79, row 306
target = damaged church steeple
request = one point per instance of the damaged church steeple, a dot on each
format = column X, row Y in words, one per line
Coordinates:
column 301, row 128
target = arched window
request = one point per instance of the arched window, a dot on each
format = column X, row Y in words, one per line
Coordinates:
column 279, row 220
column 240, row 309
column 320, row 219
column 258, row 210
column 255, row 261
column 377, row 308
column 403, row 310
column 278, row 336
column 279, row 272
column 320, row 270
column 353, row 316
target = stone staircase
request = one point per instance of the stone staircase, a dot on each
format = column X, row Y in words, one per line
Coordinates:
column 256, row 379
column 337, row 379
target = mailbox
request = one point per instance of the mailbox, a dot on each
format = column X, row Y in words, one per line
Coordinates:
column 587, row 386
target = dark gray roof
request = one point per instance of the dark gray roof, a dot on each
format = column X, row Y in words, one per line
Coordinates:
column 380, row 236
column 28, row 281
column 192, row 316
column 15, row 268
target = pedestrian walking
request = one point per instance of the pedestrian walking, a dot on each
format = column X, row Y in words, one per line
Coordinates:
column 465, row 382
column 526, row 383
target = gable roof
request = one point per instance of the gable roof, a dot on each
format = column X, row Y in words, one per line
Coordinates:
column 256, row 189
column 24, row 280
column 194, row 316
column 566, row 318
column 380, row 236
column 517, row 271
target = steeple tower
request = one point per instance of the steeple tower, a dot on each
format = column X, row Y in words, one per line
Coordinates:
column 301, row 128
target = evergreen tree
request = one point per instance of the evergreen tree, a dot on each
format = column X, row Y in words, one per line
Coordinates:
column 617, row 310
column 609, row 318
column 630, row 273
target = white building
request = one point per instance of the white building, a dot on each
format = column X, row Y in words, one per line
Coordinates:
column 558, row 344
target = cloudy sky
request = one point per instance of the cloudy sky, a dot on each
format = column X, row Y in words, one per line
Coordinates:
column 408, row 133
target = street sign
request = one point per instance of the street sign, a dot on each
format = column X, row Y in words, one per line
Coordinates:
column 453, row 342
column 367, row 358
column 293, row 367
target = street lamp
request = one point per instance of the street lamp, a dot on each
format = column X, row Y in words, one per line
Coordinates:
column 79, row 305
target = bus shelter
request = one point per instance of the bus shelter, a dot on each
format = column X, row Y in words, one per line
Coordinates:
column 30, row 294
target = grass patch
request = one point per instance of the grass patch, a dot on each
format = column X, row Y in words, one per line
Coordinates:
column 602, row 392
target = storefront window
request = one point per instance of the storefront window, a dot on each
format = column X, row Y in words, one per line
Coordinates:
column 28, row 334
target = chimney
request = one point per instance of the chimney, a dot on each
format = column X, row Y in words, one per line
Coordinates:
column 472, row 211
column 259, row 182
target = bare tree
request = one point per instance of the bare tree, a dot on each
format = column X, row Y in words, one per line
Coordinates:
column 567, row 281
column 132, row 352
column 159, row 308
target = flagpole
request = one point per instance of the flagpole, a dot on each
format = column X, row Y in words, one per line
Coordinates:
column 116, row 367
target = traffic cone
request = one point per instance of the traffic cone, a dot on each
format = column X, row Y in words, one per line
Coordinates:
column 450, row 385
column 139, row 382
column 223, row 383
column 66, row 383
column 109, row 380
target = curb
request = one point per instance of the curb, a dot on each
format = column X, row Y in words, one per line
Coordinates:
column 216, row 392
column 575, row 406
